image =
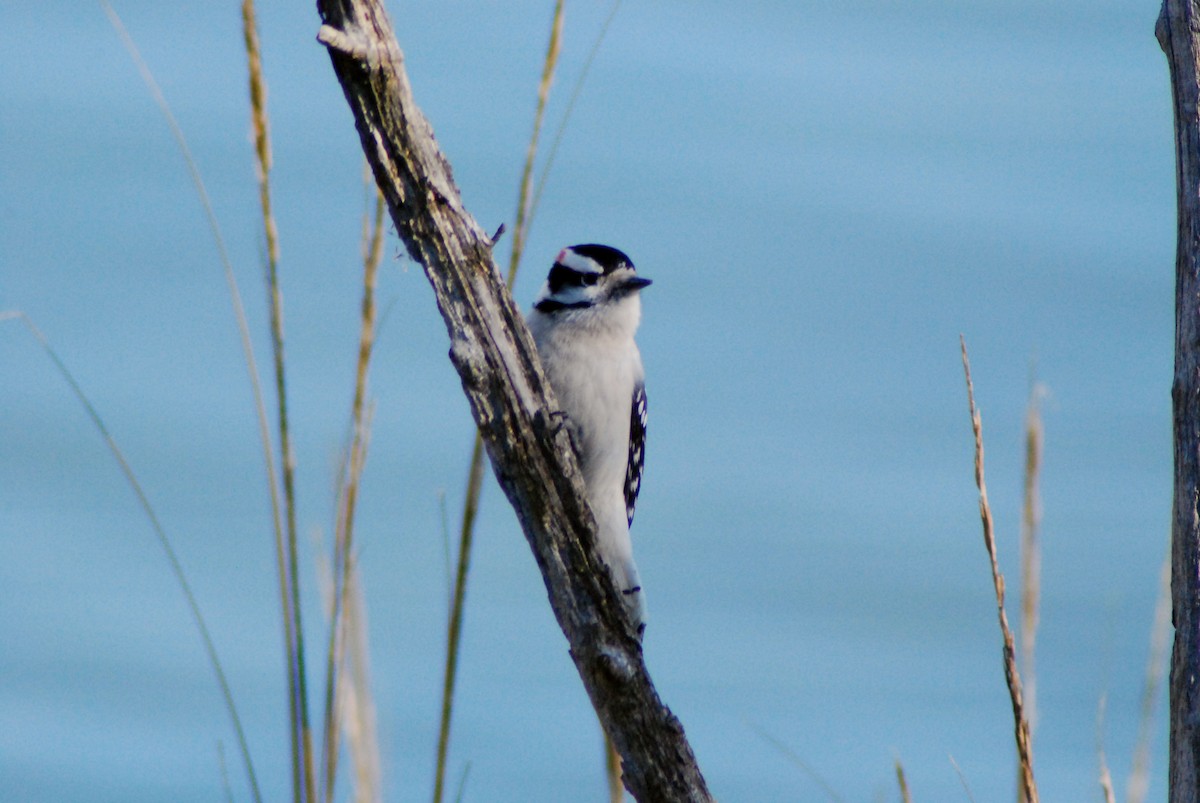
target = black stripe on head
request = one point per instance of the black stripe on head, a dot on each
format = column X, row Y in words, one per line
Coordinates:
column 551, row 306
column 561, row 276
column 608, row 258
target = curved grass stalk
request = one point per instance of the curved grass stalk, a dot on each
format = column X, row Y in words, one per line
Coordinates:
column 210, row 648
column 235, row 295
column 288, row 601
column 239, row 316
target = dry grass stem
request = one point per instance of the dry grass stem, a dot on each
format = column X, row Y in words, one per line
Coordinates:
column 339, row 690
column 457, row 606
column 301, row 745
column 210, row 649
column 905, row 796
column 444, row 518
column 286, row 568
column 1156, row 667
column 356, row 700
column 1031, row 558
column 475, row 472
column 1106, row 786
column 524, row 201
column 1011, row 675
column 342, row 587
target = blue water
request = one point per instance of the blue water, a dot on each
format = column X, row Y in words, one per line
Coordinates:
column 826, row 197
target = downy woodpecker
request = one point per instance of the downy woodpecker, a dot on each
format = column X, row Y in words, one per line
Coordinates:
column 583, row 322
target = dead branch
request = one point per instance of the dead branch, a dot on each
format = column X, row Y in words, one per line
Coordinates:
column 491, row 348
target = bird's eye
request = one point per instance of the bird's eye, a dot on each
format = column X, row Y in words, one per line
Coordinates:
column 589, row 279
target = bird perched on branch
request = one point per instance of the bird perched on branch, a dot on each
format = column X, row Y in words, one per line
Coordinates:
column 583, row 322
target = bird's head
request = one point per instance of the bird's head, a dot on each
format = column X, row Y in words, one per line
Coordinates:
column 586, row 277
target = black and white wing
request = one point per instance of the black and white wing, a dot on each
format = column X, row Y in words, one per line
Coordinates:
column 637, row 449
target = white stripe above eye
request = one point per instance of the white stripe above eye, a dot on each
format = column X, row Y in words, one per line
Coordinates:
column 577, row 262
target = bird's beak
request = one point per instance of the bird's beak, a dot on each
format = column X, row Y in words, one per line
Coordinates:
column 636, row 283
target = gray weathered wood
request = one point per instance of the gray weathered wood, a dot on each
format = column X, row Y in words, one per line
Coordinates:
column 509, row 396
column 1177, row 33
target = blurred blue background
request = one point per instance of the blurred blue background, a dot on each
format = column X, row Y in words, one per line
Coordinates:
column 826, row 194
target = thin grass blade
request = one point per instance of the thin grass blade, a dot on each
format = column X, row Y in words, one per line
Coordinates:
column 160, row 533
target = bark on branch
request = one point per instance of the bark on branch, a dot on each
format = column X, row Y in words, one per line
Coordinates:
column 494, row 354
column 1178, row 24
